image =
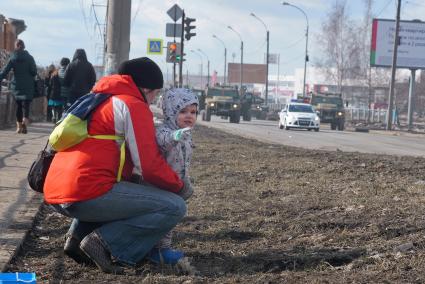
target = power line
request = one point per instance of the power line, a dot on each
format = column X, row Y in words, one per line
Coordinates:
column 293, row 44
column 137, row 12
column 257, row 49
column 414, row 3
column 293, row 59
column 385, row 7
column 84, row 17
column 97, row 21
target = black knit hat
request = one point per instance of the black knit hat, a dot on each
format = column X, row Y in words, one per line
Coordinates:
column 144, row 72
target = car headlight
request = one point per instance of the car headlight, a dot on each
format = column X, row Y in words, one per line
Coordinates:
column 235, row 106
column 258, row 107
column 339, row 113
column 316, row 118
column 212, row 104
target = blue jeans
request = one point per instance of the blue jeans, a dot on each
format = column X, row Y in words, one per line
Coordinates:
column 130, row 219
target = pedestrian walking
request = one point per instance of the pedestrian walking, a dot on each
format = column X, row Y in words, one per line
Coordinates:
column 61, row 73
column 79, row 76
column 116, row 221
column 22, row 83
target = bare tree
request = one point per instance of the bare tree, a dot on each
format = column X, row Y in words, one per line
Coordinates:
column 340, row 44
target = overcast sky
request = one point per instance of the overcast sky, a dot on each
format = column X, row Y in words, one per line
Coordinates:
column 55, row 28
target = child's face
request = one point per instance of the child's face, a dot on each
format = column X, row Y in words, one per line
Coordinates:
column 187, row 116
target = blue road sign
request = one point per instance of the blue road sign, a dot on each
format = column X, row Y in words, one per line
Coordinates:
column 154, row 46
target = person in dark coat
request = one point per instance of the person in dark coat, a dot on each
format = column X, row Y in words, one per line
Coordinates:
column 61, row 73
column 22, row 84
column 79, row 76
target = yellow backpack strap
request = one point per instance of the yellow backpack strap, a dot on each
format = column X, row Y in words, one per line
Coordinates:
column 122, row 150
column 122, row 160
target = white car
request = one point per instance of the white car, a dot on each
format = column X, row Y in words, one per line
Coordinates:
column 299, row 115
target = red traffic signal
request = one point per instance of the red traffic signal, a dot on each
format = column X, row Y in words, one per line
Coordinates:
column 173, row 52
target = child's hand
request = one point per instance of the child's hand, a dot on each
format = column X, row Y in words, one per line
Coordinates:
column 187, row 190
column 182, row 134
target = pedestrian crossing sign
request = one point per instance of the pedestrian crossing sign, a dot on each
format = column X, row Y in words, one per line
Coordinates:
column 154, row 46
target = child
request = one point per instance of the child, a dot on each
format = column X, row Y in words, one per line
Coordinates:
column 55, row 102
column 174, row 139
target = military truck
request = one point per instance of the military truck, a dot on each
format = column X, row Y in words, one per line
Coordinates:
column 222, row 101
column 330, row 108
column 201, row 97
column 252, row 105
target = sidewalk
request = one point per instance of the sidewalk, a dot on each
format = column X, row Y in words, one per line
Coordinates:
column 18, row 203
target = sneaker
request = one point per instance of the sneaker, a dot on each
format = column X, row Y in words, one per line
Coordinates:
column 72, row 249
column 164, row 256
column 93, row 247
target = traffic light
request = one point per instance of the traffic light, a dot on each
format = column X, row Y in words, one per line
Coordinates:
column 188, row 28
column 171, row 52
column 174, row 52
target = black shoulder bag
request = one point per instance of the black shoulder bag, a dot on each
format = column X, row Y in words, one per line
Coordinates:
column 39, row 168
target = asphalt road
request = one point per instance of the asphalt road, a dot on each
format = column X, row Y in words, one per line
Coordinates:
column 377, row 142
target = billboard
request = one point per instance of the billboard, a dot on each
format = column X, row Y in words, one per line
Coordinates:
column 252, row 73
column 411, row 48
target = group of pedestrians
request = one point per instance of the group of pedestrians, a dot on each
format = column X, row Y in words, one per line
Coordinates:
column 68, row 82
column 63, row 85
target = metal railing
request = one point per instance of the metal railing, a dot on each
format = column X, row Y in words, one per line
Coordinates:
column 8, row 109
column 366, row 115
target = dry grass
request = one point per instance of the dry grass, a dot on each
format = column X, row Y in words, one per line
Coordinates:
column 266, row 213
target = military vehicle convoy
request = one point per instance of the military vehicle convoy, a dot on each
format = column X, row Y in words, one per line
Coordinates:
column 330, row 108
column 225, row 101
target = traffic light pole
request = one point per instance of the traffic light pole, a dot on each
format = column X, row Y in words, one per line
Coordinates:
column 181, row 56
column 174, row 74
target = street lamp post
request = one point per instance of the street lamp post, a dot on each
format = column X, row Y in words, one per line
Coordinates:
column 267, row 56
column 200, row 57
column 306, row 41
column 241, row 75
column 225, row 58
column 208, row 68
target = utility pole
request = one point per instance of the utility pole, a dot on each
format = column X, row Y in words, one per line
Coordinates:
column 393, row 69
column 267, row 56
column 240, row 91
column 241, row 70
column 267, row 68
column 410, row 108
column 225, row 58
column 277, row 81
column 117, row 34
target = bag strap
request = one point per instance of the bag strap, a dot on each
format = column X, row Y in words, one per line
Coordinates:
column 45, row 146
column 122, row 150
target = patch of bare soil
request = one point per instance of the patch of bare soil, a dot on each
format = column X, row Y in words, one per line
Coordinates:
column 267, row 213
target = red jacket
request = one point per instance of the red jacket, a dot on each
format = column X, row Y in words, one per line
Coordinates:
column 89, row 169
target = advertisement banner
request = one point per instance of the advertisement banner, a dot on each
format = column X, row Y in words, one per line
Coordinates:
column 411, row 45
column 252, row 73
